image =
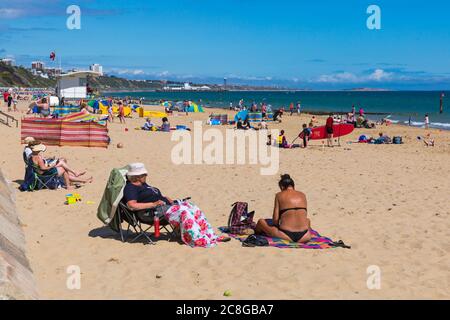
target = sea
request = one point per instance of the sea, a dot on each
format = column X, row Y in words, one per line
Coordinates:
column 403, row 107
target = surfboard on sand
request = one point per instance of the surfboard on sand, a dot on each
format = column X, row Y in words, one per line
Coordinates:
column 339, row 130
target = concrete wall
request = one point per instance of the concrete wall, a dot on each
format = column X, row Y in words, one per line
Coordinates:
column 16, row 277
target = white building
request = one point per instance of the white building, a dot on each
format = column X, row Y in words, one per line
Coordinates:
column 9, row 62
column 74, row 85
column 96, row 68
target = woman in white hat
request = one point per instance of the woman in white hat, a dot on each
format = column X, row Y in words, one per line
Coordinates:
column 29, row 142
column 43, row 168
column 138, row 195
column 184, row 216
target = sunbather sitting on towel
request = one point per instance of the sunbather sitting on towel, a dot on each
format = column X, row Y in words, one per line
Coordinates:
column 165, row 126
column 148, row 125
column 290, row 221
column 42, row 167
column 189, row 219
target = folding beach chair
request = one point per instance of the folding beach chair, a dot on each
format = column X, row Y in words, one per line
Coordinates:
column 141, row 222
column 113, row 212
column 34, row 181
column 47, row 181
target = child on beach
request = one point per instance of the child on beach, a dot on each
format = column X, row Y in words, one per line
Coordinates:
column 281, row 140
column 15, row 100
column 313, row 122
column 427, row 122
column 110, row 113
column 306, row 133
column 121, row 112
column 148, row 125
column 165, row 127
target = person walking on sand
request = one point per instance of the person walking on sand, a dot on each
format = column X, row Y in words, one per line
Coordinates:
column 427, row 122
column 15, row 101
column 291, row 108
column 121, row 112
column 329, row 130
column 5, row 97
column 299, row 108
column 110, row 113
column 10, row 100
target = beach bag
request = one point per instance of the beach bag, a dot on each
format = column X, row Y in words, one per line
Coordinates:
column 240, row 219
column 397, row 140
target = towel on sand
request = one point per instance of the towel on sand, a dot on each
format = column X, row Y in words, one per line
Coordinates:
column 317, row 241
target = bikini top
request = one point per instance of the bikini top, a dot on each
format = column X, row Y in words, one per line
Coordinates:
column 288, row 209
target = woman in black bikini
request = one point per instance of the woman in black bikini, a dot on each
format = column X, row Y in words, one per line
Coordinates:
column 290, row 220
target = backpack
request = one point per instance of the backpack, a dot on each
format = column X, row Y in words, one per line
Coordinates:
column 240, row 219
column 397, row 140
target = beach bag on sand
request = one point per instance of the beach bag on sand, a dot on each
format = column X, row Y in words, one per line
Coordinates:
column 240, row 220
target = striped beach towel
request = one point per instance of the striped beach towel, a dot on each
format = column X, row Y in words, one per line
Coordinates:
column 317, row 241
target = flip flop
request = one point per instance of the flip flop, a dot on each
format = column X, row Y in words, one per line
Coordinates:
column 223, row 239
column 340, row 244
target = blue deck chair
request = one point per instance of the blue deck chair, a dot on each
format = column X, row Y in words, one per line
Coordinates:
column 34, row 181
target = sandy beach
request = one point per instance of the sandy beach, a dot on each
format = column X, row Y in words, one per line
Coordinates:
column 390, row 203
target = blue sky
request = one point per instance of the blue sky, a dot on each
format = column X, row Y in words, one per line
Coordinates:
column 300, row 44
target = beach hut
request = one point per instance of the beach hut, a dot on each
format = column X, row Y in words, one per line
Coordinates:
column 73, row 85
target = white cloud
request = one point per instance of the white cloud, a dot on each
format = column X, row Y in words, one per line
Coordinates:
column 163, row 74
column 342, row 77
column 377, row 75
column 380, row 75
column 6, row 13
column 134, row 72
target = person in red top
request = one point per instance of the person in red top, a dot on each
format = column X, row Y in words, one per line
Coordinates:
column 5, row 97
column 329, row 130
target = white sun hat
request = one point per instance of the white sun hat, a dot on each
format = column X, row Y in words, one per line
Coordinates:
column 27, row 140
column 39, row 148
column 136, row 169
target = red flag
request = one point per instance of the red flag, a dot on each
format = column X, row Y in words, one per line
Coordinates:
column 52, row 56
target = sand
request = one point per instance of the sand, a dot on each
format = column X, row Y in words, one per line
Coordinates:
column 389, row 202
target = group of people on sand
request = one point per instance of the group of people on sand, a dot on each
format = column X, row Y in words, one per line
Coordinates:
column 120, row 112
column 10, row 99
column 150, row 126
column 289, row 219
column 33, row 156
